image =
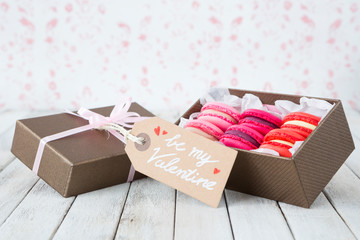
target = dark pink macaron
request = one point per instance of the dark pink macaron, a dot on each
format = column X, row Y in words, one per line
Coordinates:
column 263, row 120
column 243, row 137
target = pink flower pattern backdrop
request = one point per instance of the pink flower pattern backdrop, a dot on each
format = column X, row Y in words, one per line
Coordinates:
column 165, row 54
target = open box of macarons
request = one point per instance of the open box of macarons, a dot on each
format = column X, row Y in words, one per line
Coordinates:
column 289, row 147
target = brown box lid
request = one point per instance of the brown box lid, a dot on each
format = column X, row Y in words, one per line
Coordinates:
column 300, row 179
column 79, row 163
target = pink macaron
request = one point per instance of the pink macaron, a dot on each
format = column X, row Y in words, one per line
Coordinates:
column 243, row 137
column 219, row 114
column 263, row 120
column 272, row 108
column 204, row 128
column 258, row 127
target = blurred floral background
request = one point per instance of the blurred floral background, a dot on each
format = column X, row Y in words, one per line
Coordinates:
column 166, row 54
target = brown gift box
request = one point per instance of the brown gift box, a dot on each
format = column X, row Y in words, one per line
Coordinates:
column 300, row 179
column 75, row 164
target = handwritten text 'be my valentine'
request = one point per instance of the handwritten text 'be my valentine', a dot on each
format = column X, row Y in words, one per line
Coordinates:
column 168, row 162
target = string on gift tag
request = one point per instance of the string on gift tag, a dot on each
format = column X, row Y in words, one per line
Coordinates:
column 126, row 133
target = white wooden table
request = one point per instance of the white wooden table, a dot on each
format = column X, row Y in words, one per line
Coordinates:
column 147, row 209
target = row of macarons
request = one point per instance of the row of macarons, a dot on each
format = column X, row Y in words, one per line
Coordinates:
column 252, row 129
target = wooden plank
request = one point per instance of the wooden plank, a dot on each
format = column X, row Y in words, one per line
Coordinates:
column 7, row 126
column 255, row 217
column 343, row 191
column 353, row 162
column 38, row 215
column 16, row 180
column 148, row 212
column 196, row 220
column 94, row 215
column 353, row 118
column 319, row 222
column 6, row 157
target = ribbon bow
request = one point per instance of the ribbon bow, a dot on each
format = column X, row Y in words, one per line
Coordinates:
column 115, row 123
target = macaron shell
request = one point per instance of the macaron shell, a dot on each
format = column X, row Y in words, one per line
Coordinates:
column 218, row 120
column 206, row 127
column 248, row 130
column 306, row 117
column 304, row 132
column 283, row 134
column 230, row 142
column 226, row 116
column 300, row 124
column 262, row 114
column 261, row 121
column 241, row 136
column 293, row 127
column 222, row 107
column 201, row 133
column 280, row 143
column 289, row 144
column 261, row 128
column 284, row 152
column 272, row 108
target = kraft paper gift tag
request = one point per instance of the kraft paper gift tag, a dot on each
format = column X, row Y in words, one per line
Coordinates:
column 181, row 159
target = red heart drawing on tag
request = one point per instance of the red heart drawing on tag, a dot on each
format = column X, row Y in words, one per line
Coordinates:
column 216, row 171
column 164, row 132
column 157, row 130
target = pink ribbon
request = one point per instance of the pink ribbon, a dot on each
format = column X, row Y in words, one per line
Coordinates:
column 119, row 115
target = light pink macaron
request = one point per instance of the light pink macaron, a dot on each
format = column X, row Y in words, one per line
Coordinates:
column 272, row 108
column 205, row 129
column 219, row 114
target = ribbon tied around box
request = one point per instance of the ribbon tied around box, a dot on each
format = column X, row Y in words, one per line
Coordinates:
column 119, row 119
